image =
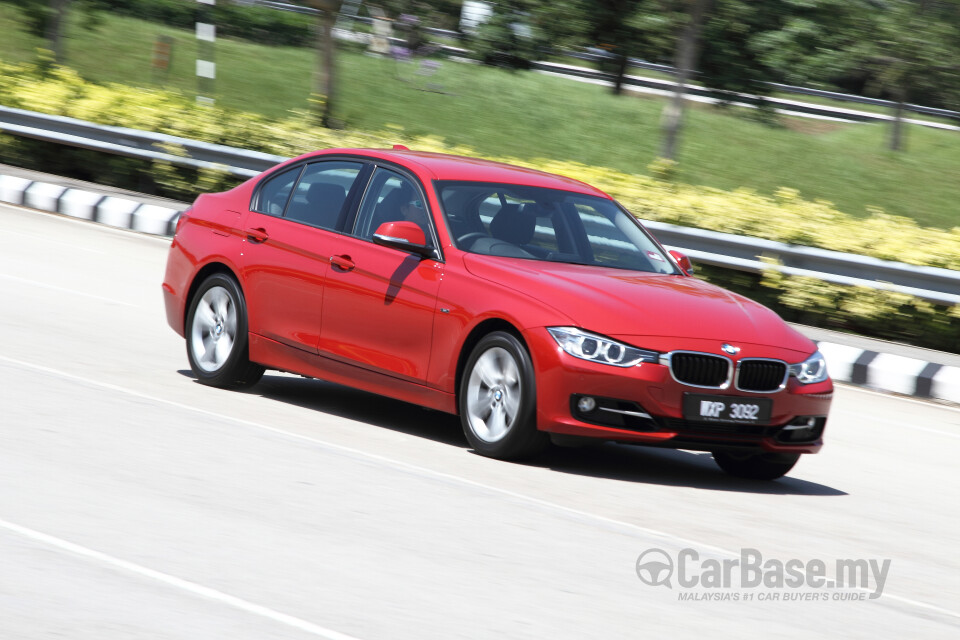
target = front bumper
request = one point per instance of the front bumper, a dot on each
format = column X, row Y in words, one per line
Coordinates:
column 644, row 405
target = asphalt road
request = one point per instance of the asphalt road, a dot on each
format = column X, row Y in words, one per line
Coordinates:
column 136, row 503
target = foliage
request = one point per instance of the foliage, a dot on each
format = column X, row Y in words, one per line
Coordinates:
column 872, row 312
column 258, row 24
column 910, row 53
column 731, row 60
column 663, row 169
column 38, row 14
column 896, row 49
column 507, row 39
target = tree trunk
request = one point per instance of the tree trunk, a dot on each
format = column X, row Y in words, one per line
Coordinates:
column 622, row 60
column 325, row 74
column 685, row 59
column 58, row 14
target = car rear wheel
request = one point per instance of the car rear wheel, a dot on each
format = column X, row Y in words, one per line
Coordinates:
column 217, row 335
column 756, row 466
column 498, row 399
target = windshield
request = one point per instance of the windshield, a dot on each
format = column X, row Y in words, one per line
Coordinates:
column 549, row 225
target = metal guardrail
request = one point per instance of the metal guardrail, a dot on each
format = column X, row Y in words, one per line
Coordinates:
column 756, row 255
column 710, row 247
column 134, row 143
column 784, row 88
column 846, row 97
column 791, row 106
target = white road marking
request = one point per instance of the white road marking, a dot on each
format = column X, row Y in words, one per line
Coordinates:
column 876, row 392
column 37, row 283
column 673, row 538
column 898, row 423
column 177, row 583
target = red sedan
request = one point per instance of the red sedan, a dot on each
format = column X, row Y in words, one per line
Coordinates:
column 532, row 305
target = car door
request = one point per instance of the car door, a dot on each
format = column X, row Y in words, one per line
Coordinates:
column 290, row 235
column 379, row 302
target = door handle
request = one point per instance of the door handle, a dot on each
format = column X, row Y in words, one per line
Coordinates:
column 344, row 263
column 257, row 234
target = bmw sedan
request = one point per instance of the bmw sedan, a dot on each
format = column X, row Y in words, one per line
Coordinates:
column 531, row 305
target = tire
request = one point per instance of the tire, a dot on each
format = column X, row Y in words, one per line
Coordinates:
column 217, row 336
column 497, row 403
column 756, row 466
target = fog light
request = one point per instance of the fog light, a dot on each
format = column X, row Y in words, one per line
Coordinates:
column 802, row 429
column 586, row 404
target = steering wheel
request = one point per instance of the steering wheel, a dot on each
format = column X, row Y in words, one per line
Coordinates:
column 468, row 239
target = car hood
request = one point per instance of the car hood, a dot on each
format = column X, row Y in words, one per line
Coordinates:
column 620, row 303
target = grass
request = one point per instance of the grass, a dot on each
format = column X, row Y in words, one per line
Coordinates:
column 530, row 115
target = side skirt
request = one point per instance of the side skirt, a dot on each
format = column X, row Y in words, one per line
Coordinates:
column 275, row 355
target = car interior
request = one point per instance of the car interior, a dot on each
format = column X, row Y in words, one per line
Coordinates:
column 554, row 226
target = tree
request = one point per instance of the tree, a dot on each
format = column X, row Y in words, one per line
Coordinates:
column 46, row 18
column 714, row 39
column 910, row 51
column 686, row 56
column 902, row 50
column 58, row 12
column 506, row 38
column 325, row 74
column 613, row 30
column 732, row 60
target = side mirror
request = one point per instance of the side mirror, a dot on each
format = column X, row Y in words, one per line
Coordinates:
column 683, row 261
column 405, row 236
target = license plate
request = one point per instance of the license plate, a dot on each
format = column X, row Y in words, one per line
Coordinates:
column 729, row 409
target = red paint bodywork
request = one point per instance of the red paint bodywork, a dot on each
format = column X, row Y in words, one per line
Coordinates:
column 340, row 308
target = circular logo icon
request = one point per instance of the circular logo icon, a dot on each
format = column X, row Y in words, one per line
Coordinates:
column 654, row 567
column 729, row 348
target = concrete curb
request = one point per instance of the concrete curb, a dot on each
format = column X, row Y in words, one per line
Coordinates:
column 863, row 367
column 115, row 211
column 891, row 372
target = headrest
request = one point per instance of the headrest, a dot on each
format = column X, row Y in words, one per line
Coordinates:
column 322, row 192
column 513, row 225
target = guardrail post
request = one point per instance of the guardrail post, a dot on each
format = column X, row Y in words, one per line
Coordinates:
column 206, row 37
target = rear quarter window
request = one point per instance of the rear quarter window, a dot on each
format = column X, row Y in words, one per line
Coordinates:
column 274, row 192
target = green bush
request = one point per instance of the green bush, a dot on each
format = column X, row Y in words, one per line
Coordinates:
column 258, row 24
column 860, row 310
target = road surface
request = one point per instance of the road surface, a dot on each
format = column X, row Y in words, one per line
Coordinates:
column 137, row 503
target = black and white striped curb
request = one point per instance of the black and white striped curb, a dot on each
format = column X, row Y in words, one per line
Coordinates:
column 113, row 210
column 854, row 365
column 891, row 372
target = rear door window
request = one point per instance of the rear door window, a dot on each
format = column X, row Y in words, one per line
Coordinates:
column 321, row 193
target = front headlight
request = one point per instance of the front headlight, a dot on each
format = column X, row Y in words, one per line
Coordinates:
column 813, row 369
column 595, row 348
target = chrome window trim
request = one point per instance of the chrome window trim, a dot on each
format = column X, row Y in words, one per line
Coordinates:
column 783, row 383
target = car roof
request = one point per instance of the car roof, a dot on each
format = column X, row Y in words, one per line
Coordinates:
column 441, row 166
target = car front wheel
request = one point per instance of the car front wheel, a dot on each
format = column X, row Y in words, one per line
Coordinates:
column 498, row 399
column 217, row 335
column 756, row 466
